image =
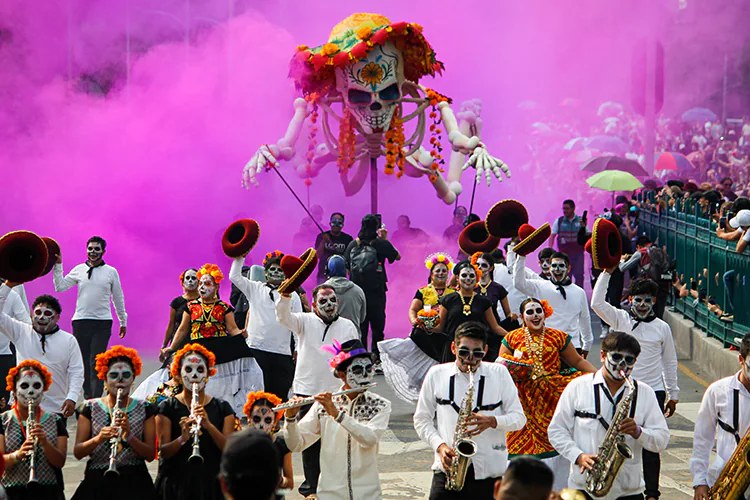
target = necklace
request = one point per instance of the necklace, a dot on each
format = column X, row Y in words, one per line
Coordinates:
column 535, row 350
column 467, row 307
column 483, row 289
column 206, row 318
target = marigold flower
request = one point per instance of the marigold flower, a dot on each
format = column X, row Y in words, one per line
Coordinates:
column 329, row 49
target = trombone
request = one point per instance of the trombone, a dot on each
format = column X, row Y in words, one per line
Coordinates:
column 196, row 457
column 115, row 442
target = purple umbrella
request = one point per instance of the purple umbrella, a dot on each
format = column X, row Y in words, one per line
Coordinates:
column 602, row 163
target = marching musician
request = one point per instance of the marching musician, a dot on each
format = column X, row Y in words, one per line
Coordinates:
column 177, row 478
column 348, row 426
column 586, row 408
column 28, row 381
column 725, row 404
column 496, row 410
column 131, row 422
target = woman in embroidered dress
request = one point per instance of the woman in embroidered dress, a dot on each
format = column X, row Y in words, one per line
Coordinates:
column 28, row 381
column 260, row 415
column 406, row 361
column 532, row 355
column 99, row 423
column 496, row 294
column 193, row 365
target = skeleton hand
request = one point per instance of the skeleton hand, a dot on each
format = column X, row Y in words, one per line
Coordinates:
column 264, row 158
column 487, row 164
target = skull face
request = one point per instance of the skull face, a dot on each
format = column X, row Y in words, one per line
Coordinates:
column 359, row 373
column 120, row 376
column 558, row 270
column 94, row 251
column 371, row 88
column 262, row 418
column 439, row 274
column 207, row 288
column 274, row 274
column 617, row 363
column 29, row 387
column 642, row 305
column 194, row 370
column 467, row 278
column 44, row 319
column 533, row 316
column 326, row 304
column 190, row 280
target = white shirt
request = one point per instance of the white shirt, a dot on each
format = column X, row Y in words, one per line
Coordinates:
column 718, row 403
column 348, row 450
column 571, row 314
column 263, row 330
column 571, row 435
column 491, row 458
column 93, row 294
column 15, row 309
column 658, row 353
column 312, row 374
column 61, row 356
column 504, row 275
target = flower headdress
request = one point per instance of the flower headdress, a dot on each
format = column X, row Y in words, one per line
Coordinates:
column 272, row 255
column 547, row 308
column 438, row 258
column 212, row 270
column 118, row 351
column 340, row 355
column 254, row 397
column 174, row 370
column 29, row 363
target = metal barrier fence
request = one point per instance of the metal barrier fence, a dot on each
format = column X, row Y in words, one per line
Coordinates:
column 689, row 234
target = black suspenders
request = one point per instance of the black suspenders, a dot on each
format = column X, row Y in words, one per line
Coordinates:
column 597, row 405
column 480, row 395
column 735, row 419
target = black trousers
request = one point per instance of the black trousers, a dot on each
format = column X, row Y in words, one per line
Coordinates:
column 7, row 361
column 310, row 461
column 374, row 319
column 661, row 301
column 629, row 497
column 92, row 336
column 482, row 489
column 278, row 372
column 652, row 461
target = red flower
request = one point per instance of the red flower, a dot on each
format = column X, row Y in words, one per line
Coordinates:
column 359, row 51
column 341, row 59
column 398, row 27
column 318, row 61
column 379, row 37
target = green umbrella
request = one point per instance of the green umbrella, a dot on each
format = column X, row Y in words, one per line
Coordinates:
column 614, row 180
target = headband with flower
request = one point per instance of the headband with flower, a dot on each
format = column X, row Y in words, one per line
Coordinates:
column 272, row 255
column 340, row 355
column 31, row 364
column 254, row 397
column 213, row 271
column 438, row 258
column 547, row 308
column 118, row 351
column 174, row 370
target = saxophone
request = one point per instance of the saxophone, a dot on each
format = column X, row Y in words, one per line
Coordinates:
column 613, row 451
column 463, row 446
column 735, row 476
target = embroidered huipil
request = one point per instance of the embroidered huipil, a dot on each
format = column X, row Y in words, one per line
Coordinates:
column 14, row 434
column 349, row 450
column 494, row 394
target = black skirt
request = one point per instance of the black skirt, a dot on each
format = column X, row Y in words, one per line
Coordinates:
column 133, row 482
column 37, row 492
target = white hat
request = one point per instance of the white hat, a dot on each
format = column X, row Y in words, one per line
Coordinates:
column 742, row 219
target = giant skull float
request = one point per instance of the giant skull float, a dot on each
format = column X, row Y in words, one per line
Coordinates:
column 371, row 67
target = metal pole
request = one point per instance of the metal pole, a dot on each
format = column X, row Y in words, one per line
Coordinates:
column 650, row 96
column 373, row 185
column 187, row 30
column 297, row 198
column 127, row 50
column 473, row 192
column 724, row 91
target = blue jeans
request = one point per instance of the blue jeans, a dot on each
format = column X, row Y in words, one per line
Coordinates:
column 729, row 285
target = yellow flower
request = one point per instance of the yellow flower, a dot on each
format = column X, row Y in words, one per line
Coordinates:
column 372, row 74
column 329, row 49
column 364, row 33
column 301, row 48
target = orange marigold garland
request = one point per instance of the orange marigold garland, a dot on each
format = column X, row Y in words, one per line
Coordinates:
column 174, row 370
column 547, row 308
column 118, row 351
column 254, row 397
column 35, row 365
column 212, row 270
column 313, row 143
column 347, row 141
column 271, row 255
column 394, row 145
column 437, row 148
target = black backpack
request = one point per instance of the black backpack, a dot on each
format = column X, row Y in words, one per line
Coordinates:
column 364, row 267
column 660, row 267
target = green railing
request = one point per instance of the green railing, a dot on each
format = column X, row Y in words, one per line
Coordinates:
column 689, row 233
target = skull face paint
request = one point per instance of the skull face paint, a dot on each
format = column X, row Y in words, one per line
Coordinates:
column 274, row 274
column 558, row 270
column 262, row 418
column 207, row 288
column 371, row 88
column 94, row 251
column 533, row 316
column 44, row 318
column 544, row 265
column 326, row 304
column 484, row 266
column 439, row 274
column 29, row 387
column 467, row 278
column 194, row 370
column 616, row 362
column 642, row 305
column 746, row 368
column 359, row 373
column 120, row 376
column 190, row 280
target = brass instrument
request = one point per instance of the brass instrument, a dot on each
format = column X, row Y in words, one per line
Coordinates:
column 570, row 494
column 735, row 476
column 463, row 446
column 196, row 457
column 311, row 399
column 32, row 455
column 613, row 451
column 115, row 443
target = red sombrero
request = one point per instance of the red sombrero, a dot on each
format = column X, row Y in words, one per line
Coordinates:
column 297, row 269
column 531, row 238
column 53, row 250
column 23, row 256
column 240, row 237
column 505, row 218
column 475, row 238
column 605, row 245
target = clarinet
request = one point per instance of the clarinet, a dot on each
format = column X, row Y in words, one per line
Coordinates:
column 32, row 454
column 196, row 457
column 114, row 443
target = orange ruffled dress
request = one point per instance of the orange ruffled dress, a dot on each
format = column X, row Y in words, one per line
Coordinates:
column 538, row 396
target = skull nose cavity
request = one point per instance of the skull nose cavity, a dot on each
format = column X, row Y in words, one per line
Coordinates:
column 376, row 106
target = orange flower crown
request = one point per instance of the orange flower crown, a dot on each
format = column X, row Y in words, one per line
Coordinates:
column 272, row 255
column 547, row 308
column 29, row 363
column 254, row 397
column 474, row 258
column 212, row 270
column 118, row 351
column 174, row 370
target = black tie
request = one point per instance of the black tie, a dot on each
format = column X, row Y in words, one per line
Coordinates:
column 91, row 267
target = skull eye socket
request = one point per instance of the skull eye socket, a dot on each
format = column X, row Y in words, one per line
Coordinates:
column 24, row 385
column 359, row 96
column 37, row 385
column 390, row 93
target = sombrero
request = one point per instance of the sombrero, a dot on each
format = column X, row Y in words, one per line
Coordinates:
column 313, row 69
column 531, row 238
column 53, row 250
column 240, row 237
column 23, row 256
column 505, row 218
column 475, row 238
column 297, row 269
column 605, row 244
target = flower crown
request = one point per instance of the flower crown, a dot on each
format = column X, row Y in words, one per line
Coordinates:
column 438, row 258
column 254, row 397
column 547, row 308
column 118, row 351
column 272, row 255
column 174, row 370
column 29, row 363
column 339, row 355
column 213, row 271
